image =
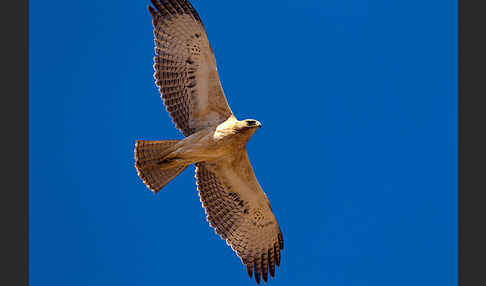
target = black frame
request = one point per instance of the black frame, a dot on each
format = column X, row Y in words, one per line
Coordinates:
column 14, row 209
column 471, row 143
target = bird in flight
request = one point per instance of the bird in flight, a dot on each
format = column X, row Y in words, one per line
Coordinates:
column 215, row 141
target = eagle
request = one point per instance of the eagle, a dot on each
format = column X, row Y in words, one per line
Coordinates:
column 214, row 140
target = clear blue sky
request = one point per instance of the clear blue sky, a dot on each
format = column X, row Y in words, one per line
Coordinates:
column 357, row 153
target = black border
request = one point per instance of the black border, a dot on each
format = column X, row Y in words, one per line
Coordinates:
column 14, row 209
column 471, row 143
column 460, row 193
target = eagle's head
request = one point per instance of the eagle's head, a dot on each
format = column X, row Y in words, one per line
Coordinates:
column 247, row 127
column 252, row 123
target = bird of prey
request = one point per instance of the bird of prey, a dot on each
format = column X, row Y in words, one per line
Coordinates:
column 215, row 141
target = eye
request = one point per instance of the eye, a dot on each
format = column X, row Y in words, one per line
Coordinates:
column 251, row 122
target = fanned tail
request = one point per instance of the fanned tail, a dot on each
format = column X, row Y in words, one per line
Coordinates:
column 151, row 167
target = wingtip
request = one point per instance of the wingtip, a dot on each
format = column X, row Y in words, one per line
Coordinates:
column 152, row 11
column 249, row 268
column 265, row 277
column 280, row 240
column 155, row 2
column 257, row 278
column 258, row 273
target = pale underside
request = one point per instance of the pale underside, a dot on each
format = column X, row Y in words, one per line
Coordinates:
column 187, row 78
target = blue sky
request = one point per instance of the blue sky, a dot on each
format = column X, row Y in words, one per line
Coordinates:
column 357, row 154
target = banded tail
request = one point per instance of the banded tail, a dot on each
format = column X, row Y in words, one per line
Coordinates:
column 151, row 166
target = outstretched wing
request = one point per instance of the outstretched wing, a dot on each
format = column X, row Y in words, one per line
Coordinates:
column 239, row 211
column 185, row 67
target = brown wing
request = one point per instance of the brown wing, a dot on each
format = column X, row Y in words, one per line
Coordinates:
column 239, row 211
column 185, row 67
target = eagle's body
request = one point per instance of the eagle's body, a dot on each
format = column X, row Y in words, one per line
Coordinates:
column 213, row 143
column 187, row 78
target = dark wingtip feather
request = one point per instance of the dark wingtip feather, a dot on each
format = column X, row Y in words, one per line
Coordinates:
column 276, row 250
column 152, row 11
column 168, row 6
column 193, row 11
column 271, row 261
column 162, row 10
column 264, row 267
column 257, row 278
column 265, row 276
column 177, row 6
column 280, row 240
column 249, row 268
column 257, row 272
column 156, row 3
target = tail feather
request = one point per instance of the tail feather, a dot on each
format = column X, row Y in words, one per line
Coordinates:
column 149, row 156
